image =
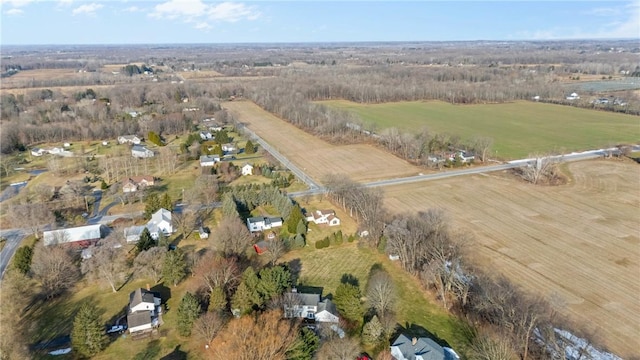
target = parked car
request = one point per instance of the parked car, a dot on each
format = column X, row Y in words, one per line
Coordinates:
column 116, row 329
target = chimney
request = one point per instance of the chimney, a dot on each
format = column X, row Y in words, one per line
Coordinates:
column 148, row 287
column 414, row 341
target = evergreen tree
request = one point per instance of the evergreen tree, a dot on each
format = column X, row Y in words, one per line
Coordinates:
column 222, row 137
column 229, row 207
column 242, row 299
column 372, row 331
column 146, row 242
column 301, row 229
column 174, row 267
column 217, row 299
column 298, row 241
column 151, row 205
column 22, row 259
column 188, row 312
column 249, row 148
column 273, row 282
column 347, row 300
column 305, row 345
column 88, row 336
column 166, row 202
column 218, row 150
column 103, row 185
column 295, row 215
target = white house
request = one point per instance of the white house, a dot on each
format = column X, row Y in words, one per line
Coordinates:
column 205, row 135
column 160, row 222
column 38, row 152
column 310, row 307
column 139, row 151
column 144, row 310
column 203, row 232
column 247, row 169
column 209, row 160
column 55, row 150
column 132, row 234
column 573, row 96
column 261, row 223
column 129, row 139
column 229, row 147
column 324, row 217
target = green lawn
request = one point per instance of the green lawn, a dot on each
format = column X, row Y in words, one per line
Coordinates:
column 518, row 128
column 324, row 268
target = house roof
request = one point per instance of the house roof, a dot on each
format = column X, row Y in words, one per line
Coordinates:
column 249, row 165
column 129, row 137
column 139, row 148
column 425, row 347
column 134, row 230
column 328, row 305
column 309, row 299
column 75, row 234
column 209, row 158
column 138, row 318
column 140, row 295
column 158, row 217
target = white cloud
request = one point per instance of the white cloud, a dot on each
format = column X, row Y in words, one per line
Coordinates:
column 200, row 13
column 14, row 12
column 88, row 9
column 132, row 9
column 16, row 3
column 625, row 23
column 65, row 2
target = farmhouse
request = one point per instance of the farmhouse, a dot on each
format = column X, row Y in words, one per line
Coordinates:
column 38, row 152
column 135, row 183
column 209, row 160
column 310, row 307
column 205, row 135
column 160, row 223
column 405, row 348
column 144, row 311
column 323, row 217
column 82, row 236
column 247, row 169
column 129, row 139
column 139, row 151
column 261, row 223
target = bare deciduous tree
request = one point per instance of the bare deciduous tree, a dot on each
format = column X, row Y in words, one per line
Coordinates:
column 488, row 347
column 107, row 262
column 336, row 348
column 275, row 249
column 540, row 168
column 54, row 268
column 482, row 146
column 381, row 293
column 231, row 237
column 149, row 262
column 31, row 216
column 217, row 271
column 209, row 324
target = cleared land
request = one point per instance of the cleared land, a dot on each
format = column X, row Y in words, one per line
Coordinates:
column 518, row 128
column 317, row 157
column 579, row 240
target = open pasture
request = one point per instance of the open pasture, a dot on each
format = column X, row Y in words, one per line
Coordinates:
column 24, row 78
column 317, row 157
column 518, row 128
column 580, row 241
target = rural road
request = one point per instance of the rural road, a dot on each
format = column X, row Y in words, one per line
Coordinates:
column 14, row 236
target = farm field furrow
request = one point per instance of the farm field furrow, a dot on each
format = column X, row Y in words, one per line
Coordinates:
column 317, row 157
column 580, row 240
column 518, row 128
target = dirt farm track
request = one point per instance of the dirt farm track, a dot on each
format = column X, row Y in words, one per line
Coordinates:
column 580, row 241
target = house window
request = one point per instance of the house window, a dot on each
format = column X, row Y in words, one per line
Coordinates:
column 311, row 316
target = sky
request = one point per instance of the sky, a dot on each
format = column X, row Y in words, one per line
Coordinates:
column 31, row 22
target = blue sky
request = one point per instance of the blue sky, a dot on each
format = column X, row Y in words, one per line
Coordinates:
column 27, row 22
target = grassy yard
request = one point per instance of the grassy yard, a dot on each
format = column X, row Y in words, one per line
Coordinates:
column 415, row 308
column 518, row 128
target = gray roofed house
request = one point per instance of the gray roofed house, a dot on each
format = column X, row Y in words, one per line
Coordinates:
column 327, row 312
column 209, row 160
column 260, row 223
column 160, row 222
column 139, row 151
column 144, row 310
column 310, row 306
column 423, row 348
column 139, row 321
column 132, row 234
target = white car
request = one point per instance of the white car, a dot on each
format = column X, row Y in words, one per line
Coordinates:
column 116, row 328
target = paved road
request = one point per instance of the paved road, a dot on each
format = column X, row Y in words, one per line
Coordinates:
column 13, row 236
column 294, row 169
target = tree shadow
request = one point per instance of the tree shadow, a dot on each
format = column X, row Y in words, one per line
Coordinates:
column 163, row 291
column 150, row 352
column 295, row 267
column 176, row 354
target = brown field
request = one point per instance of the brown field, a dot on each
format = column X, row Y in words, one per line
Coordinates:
column 67, row 90
column 23, row 77
column 317, row 157
column 580, row 241
column 205, row 74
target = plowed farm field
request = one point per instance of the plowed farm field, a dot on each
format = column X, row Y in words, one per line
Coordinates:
column 580, row 241
column 317, row 157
